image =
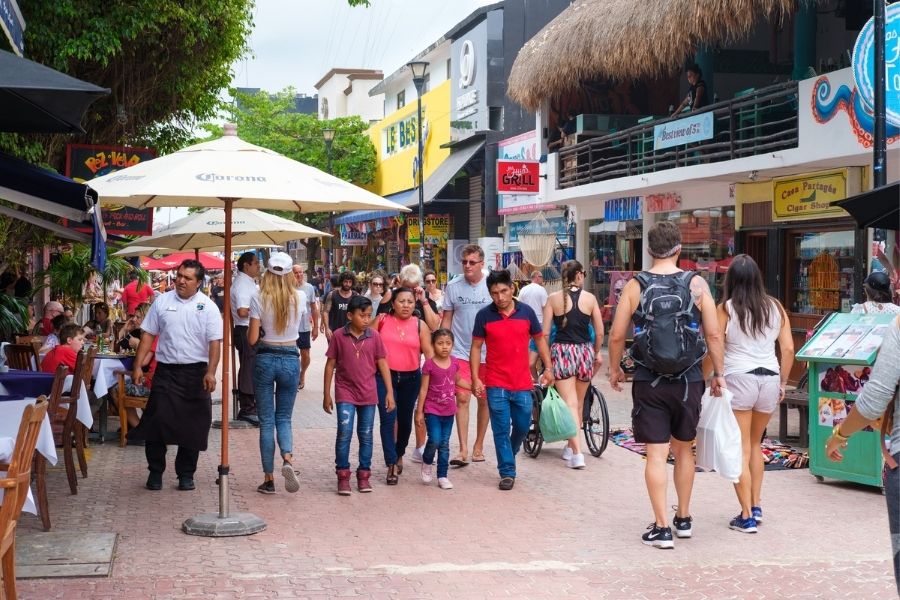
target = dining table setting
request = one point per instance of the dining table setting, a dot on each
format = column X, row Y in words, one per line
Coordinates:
column 11, row 409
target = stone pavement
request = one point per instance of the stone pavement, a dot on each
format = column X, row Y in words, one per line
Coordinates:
column 558, row 534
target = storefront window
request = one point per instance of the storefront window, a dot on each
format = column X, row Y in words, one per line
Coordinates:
column 616, row 249
column 820, row 272
column 707, row 243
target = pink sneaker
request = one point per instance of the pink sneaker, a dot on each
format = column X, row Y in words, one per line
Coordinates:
column 426, row 473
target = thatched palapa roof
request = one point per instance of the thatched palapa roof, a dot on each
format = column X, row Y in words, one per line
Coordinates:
column 628, row 39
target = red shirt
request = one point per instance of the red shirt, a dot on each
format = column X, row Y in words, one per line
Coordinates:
column 506, row 337
column 132, row 297
column 60, row 355
column 46, row 326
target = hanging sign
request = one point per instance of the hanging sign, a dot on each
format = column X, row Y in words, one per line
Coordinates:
column 353, row 237
column 809, row 196
column 518, row 176
column 657, row 203
column 683, row 131
column 622, row 209
column 864, row 63
column 437, row 229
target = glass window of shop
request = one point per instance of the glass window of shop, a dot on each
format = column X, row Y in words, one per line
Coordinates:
column 616, row 249
column 707, row 243
column 820, row 271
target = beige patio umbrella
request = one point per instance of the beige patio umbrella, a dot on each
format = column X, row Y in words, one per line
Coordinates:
column 231, row 173
column 627, row 40
column 132, row 251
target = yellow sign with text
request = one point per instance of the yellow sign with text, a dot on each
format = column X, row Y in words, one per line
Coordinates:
column 437, row 229
column 809, row 196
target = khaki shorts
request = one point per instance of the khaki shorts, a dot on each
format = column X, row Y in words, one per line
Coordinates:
column 759, row 393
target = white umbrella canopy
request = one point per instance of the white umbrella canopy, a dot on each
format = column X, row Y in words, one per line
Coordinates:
column 229, row 168
column 132, row 251
column 249, row 228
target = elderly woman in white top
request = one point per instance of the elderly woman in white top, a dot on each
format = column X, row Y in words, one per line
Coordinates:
column 753, row 322
column 879, row 297
column 879, row 398
column 275, row 315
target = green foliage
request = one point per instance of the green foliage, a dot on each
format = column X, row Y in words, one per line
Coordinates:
column 14, row 317
column 68, row 275
column 165, row 62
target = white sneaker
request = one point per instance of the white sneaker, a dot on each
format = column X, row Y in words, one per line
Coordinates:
column 416, row 455
column 576, row 462
column 567, row 454
column 444, row 483
column 426, row 473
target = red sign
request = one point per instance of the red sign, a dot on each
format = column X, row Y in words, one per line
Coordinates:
column 655, row 203
column 518, row 177
column 84, row 162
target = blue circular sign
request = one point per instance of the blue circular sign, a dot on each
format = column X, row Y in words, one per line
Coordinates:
column 864, row 63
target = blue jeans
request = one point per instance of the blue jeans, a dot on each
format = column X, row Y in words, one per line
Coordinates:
column 439, row 429
column 508, row 407
column 346, row 413
column 276, row 372
column 406, row 392
column 892, row 495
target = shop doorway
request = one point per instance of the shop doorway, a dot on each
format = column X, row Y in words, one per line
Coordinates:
column 757, row 249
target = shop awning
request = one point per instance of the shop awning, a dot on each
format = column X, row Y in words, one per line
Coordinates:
column 358, row 216
column 876, row 208
column 445, row 172
column 27, row 185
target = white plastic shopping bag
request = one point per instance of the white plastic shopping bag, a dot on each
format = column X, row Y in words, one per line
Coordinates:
column 719, row 437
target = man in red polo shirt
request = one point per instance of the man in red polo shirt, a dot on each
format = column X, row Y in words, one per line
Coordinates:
column 506, row 326
column 135, row 293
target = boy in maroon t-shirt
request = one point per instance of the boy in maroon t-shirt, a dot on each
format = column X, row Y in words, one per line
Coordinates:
column 354, row 354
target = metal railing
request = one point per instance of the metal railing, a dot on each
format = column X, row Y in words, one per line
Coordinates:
column 759, row 122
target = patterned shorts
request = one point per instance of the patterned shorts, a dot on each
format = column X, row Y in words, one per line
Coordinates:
column 572, row 360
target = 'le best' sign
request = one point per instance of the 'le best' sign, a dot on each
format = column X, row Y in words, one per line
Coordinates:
column 517, row 177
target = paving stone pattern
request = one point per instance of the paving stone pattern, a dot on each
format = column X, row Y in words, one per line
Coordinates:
column 557, row 534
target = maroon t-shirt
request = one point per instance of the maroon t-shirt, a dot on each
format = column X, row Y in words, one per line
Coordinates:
column 355, row 365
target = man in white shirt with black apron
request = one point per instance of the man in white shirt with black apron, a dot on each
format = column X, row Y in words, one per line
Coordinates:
column 179, row 410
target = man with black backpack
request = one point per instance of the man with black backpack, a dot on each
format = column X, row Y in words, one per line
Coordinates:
column 667, row 306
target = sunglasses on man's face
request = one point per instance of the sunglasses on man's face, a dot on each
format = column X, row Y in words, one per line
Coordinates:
column 471, row 263
column 377, row 284
column 431, row 281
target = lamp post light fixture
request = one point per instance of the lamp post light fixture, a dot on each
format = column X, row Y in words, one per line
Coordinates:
column 419, row 69
column 328, row 136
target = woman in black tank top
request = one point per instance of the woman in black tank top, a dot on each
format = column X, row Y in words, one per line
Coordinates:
column 573, row 354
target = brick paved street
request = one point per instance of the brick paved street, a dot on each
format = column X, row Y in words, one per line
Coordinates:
column 559, row 533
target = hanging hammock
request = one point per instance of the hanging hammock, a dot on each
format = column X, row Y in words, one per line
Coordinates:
column 537, row 241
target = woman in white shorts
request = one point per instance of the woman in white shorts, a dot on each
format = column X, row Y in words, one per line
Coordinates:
column 753, row 322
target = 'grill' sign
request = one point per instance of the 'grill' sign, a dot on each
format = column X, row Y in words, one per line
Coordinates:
column 518, row 177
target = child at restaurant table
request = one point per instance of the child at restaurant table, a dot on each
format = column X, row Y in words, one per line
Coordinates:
column 436, row 409
column 71, row 341
column 52, row 340
column 354, row 354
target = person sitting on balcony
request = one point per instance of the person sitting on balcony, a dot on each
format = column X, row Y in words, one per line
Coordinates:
column 697, row 96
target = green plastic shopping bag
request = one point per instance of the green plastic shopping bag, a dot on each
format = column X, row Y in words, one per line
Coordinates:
column 556, row 422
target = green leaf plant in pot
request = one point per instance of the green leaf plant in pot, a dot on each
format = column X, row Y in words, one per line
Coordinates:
column 14, row 317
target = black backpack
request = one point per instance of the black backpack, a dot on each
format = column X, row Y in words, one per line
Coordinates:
column 667, row 339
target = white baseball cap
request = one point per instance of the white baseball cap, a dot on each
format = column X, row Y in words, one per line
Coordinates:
column 280, row 263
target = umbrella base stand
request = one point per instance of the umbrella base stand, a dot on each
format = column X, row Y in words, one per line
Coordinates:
column 223, row 524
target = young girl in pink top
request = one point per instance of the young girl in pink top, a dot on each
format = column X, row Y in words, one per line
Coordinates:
column 437, row 405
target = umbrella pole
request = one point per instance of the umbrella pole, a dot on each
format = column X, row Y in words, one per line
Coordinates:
column 225, row 524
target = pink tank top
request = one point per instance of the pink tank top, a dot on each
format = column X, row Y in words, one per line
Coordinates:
column 401, row 340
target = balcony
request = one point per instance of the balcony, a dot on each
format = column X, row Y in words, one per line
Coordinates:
column 754, row 122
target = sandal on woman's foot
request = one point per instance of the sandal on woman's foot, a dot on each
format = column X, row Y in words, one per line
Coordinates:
column 477, row 457
column 459, row 461
column 399, row 466
column 392, row 478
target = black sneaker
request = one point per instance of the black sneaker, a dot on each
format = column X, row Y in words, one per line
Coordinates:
column 266, row 487
column 658, row 537
column 186, row 483
column 154, row 482
column 682, row 526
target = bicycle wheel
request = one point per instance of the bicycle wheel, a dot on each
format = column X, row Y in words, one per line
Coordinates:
column 595, row 421
column 534, row 441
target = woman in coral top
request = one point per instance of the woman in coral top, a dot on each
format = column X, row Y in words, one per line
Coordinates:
column 406, row 338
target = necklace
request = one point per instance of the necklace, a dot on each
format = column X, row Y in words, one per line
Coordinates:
column 401, row 333
column 357, row 347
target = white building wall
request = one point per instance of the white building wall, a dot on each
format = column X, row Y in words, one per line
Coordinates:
column 333, row 91
column 358, row 102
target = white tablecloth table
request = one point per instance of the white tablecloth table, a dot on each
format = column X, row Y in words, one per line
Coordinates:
column 10, row 417
column 84, row 403
column 104, row 373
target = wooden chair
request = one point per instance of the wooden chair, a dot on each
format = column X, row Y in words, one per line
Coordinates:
column 65, row 423
column 22, row 356
column 15, row 486
column 39, row 468
column 36, row 341
column 124, row 402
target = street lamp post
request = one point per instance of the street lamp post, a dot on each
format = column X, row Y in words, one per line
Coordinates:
column 418, row 69
column 328, row 135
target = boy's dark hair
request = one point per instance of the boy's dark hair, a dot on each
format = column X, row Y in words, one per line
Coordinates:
column 346, row 276
column 358, row 303
column 58, row 321
column 501, row 277
column 441, row 332
column 694, row 68
column 67, row 332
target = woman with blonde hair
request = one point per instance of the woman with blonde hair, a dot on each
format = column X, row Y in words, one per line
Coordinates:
column 573, row 353
column 275, row 316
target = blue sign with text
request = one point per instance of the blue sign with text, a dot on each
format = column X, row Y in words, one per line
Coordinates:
column 622, row 209
column 683, row 131
column 864, row 63
column 13, row 25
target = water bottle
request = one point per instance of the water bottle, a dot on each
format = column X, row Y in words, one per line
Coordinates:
column 694, row 326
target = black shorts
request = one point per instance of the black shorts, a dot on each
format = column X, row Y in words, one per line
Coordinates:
column 303, row 340
column 662, row 412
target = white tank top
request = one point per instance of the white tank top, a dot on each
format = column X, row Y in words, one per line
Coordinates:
column 745, row 352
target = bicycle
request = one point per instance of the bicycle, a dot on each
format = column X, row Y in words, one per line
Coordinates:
column 594, row 422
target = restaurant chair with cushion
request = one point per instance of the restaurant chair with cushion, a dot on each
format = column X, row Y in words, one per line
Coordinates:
column 39, row 468
column 15, row 487
column 22, row 357
column 124, row 402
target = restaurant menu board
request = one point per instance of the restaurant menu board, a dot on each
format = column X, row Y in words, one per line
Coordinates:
column 853, row 339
